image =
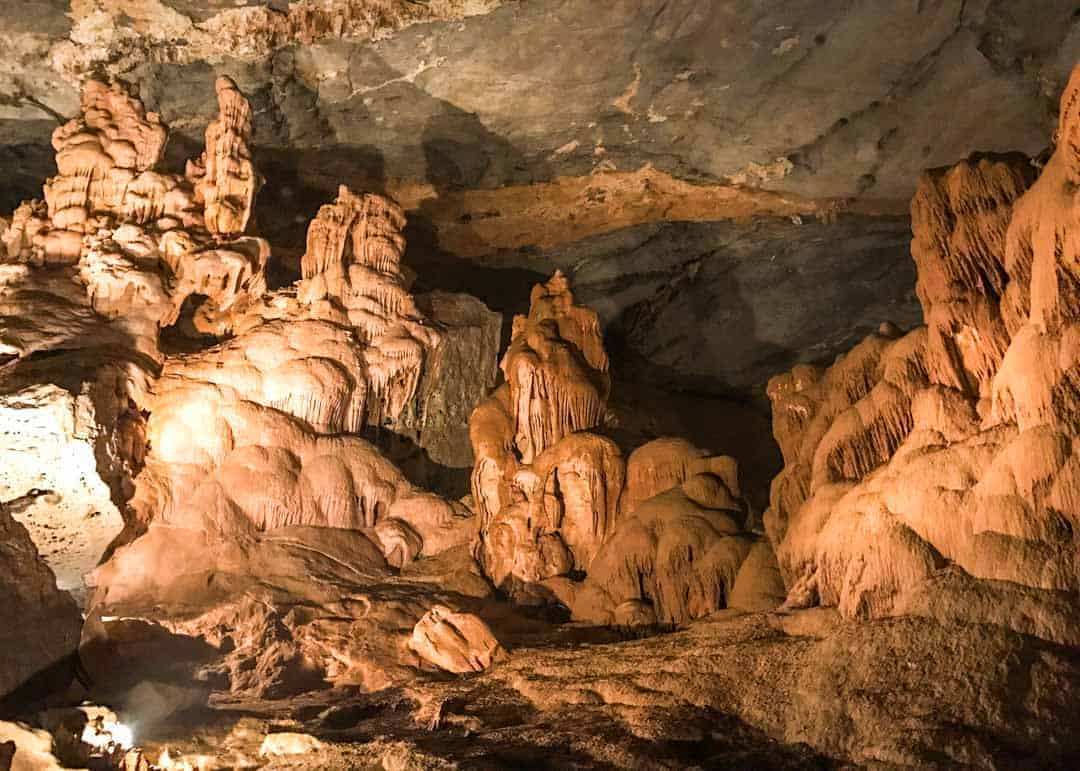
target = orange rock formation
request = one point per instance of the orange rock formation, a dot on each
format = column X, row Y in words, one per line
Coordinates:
column 258, row 432
column 916, row 465
column 659, row 538
column 225, row 177
column 456, row 642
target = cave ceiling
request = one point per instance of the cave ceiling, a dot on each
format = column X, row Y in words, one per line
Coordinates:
column 742, row 167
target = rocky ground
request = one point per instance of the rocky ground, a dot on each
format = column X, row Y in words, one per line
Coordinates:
column 798, row 690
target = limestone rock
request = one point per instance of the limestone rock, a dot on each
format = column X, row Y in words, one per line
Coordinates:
column 50, row 443
column 960, row 215
column 352, row 275
column 656, row 538
column 287, row 743
column 225, row 177
column 39, row 624
column 456, row 642
column 152, row 262
column 557, row 382
column 102, row 157
column 953, row 445
column 556, row 369
column 430, row 438
column 71, row 423
column 678, row 552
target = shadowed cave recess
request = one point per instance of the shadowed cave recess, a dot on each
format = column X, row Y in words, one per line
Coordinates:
column 488, row 384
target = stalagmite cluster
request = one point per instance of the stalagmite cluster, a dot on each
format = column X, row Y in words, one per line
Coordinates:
column 144, row 240
column 301, row 369
column 225, row 178
column 303, row 372
column 658, row 537
column 917, row 466
column 247, row 437
column 235, row 482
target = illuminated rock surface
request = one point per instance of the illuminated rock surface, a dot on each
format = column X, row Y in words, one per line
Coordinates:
column 456, row 642
column 930, row 468
column 322, row 507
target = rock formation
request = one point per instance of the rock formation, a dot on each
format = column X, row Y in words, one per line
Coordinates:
column 237, row 462
column 300, row 370
column 919, row 468
column 352, row 275
column 39, row 624
column 225, row 178
column 456, row 642
column 658, row 538
column 261, row 481
column 118, row 250
column 146, row 241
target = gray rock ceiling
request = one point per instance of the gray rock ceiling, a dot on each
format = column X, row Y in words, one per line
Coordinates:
column 725, row 181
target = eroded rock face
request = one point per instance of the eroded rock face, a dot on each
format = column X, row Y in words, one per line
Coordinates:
column 72, row 517
column 951, row 445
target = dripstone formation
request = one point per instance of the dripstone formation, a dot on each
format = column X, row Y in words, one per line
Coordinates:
column 926, row 469
column 325, row 521
column 659, row 536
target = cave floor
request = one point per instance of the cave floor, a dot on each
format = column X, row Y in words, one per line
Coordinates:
column 805, row 689
column 566, row 698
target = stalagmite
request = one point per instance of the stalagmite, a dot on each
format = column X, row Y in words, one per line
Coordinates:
column 658, row 538
column 956, row 445
column 225, row 178
column 556, row 369
column 352, row 276
column 959, row 218
column 295, row 506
